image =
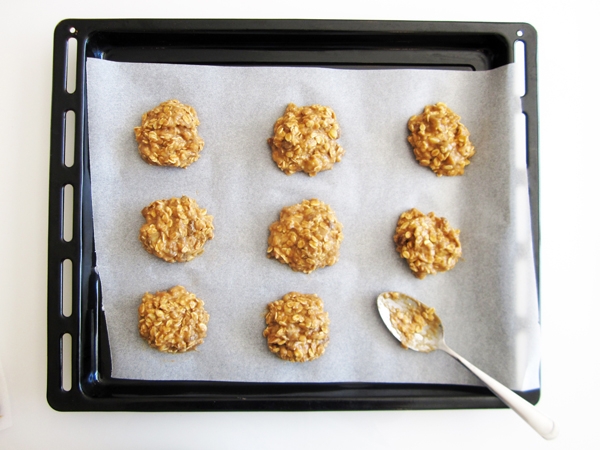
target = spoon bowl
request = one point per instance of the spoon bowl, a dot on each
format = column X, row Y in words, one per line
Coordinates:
column 415, row 325
column 418, row 328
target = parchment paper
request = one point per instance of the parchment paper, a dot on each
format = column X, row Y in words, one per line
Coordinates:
column 487, row 303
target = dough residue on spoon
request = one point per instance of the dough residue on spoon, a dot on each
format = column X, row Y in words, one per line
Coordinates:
column 417, row 324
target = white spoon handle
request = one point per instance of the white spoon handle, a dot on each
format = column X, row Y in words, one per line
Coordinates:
column 528, row 412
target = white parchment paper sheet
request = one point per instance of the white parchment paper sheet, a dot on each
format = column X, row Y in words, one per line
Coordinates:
column 488, row 303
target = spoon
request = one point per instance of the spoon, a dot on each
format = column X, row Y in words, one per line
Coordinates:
column 418, row 328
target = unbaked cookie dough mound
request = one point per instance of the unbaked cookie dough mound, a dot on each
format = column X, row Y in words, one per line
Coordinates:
column 172, row 321
column 176, row 229
column 427, row 242
column 440, row 141
column 168, row 135
column 307, row 236
column 297, row 327
column 305, row 139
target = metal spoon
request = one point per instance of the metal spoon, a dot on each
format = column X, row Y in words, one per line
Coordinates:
column 418, row 328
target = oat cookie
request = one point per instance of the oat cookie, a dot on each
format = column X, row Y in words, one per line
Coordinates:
column 168, row 135
column 297, row 327
column 307, row 236
column 305, row 139
column 440, row 141
column 428, row 243
column 172, row 321
column 176, row 229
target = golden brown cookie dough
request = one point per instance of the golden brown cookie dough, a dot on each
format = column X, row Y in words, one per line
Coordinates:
column 440, row 141
column 172, row 321
column 168, row 135
column 297, row 327
column 176, row 229
column 307, row 236
column 428, row 243
column 305, row 139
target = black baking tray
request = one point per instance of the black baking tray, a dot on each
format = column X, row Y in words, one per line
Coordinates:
column 85, row 383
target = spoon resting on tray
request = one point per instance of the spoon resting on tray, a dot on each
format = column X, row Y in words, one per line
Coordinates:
column 418, row 328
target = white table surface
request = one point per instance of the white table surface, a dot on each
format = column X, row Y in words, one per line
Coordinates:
column 569, row 161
